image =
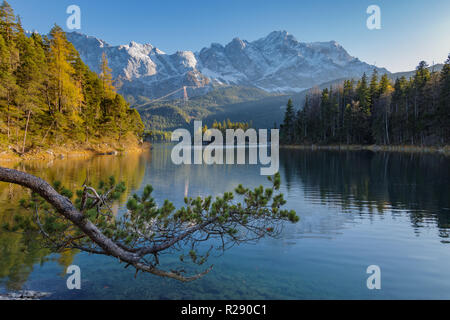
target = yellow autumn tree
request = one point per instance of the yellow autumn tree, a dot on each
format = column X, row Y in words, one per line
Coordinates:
column 63, row 56
column 65, row 93
column 107, row 79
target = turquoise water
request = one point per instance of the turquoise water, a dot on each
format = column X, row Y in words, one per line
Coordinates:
column 357, row 209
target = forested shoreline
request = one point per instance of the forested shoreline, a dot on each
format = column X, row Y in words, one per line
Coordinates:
column 413, row 112
column 49, row 97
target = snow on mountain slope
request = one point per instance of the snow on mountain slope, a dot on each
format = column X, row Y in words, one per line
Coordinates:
column 276, row 63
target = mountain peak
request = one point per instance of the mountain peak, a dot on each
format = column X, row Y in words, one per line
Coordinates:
column 275, row 63
column 237, row 43
column 279, row 35
column 76, row 36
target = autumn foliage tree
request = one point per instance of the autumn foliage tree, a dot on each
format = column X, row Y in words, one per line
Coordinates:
column 48, row 96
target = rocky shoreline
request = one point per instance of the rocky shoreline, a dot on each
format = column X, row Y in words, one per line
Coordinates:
column 73, row 152
column 24, row 296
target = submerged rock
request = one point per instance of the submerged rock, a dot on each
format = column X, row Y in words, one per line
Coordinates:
column 24, row 295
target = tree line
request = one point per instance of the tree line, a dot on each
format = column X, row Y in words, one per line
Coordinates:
column 154, row 135
column 229, row 125
column 48, row 96
column 158, row 135
column 414, row 111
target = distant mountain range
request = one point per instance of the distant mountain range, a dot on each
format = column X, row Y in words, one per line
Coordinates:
column 409, row 74
column 277, row 63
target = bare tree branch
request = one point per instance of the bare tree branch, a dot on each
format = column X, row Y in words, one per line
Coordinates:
column 146, row 230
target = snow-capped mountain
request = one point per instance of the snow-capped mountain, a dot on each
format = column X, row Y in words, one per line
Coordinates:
column 141, row 69
column 276, row 63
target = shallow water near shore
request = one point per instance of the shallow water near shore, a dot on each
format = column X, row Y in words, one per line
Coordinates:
column 357, row 208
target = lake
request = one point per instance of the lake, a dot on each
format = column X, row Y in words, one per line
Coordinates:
column 357, row 209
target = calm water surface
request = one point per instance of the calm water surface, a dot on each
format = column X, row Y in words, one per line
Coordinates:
column 357, row 209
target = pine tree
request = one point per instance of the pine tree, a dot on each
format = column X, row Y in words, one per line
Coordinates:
column 363, row 115
column 29, row 78
column 10, row 59
column 363, row 93
column 381, row 112
column 346, row 113
column 288, row 123
column 325, row 113
column 420, row 80
column 374, row 87
column 8, row 86
column 385, row 85
column 8, row 23
column 444, row 101
column 400, row 114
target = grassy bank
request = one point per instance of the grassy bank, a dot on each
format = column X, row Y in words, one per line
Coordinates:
column 375, row 148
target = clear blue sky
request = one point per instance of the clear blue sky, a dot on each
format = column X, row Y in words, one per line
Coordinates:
column 412, row 30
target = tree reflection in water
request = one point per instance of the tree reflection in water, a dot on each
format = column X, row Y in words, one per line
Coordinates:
column 360, row 181
column 19, row 252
